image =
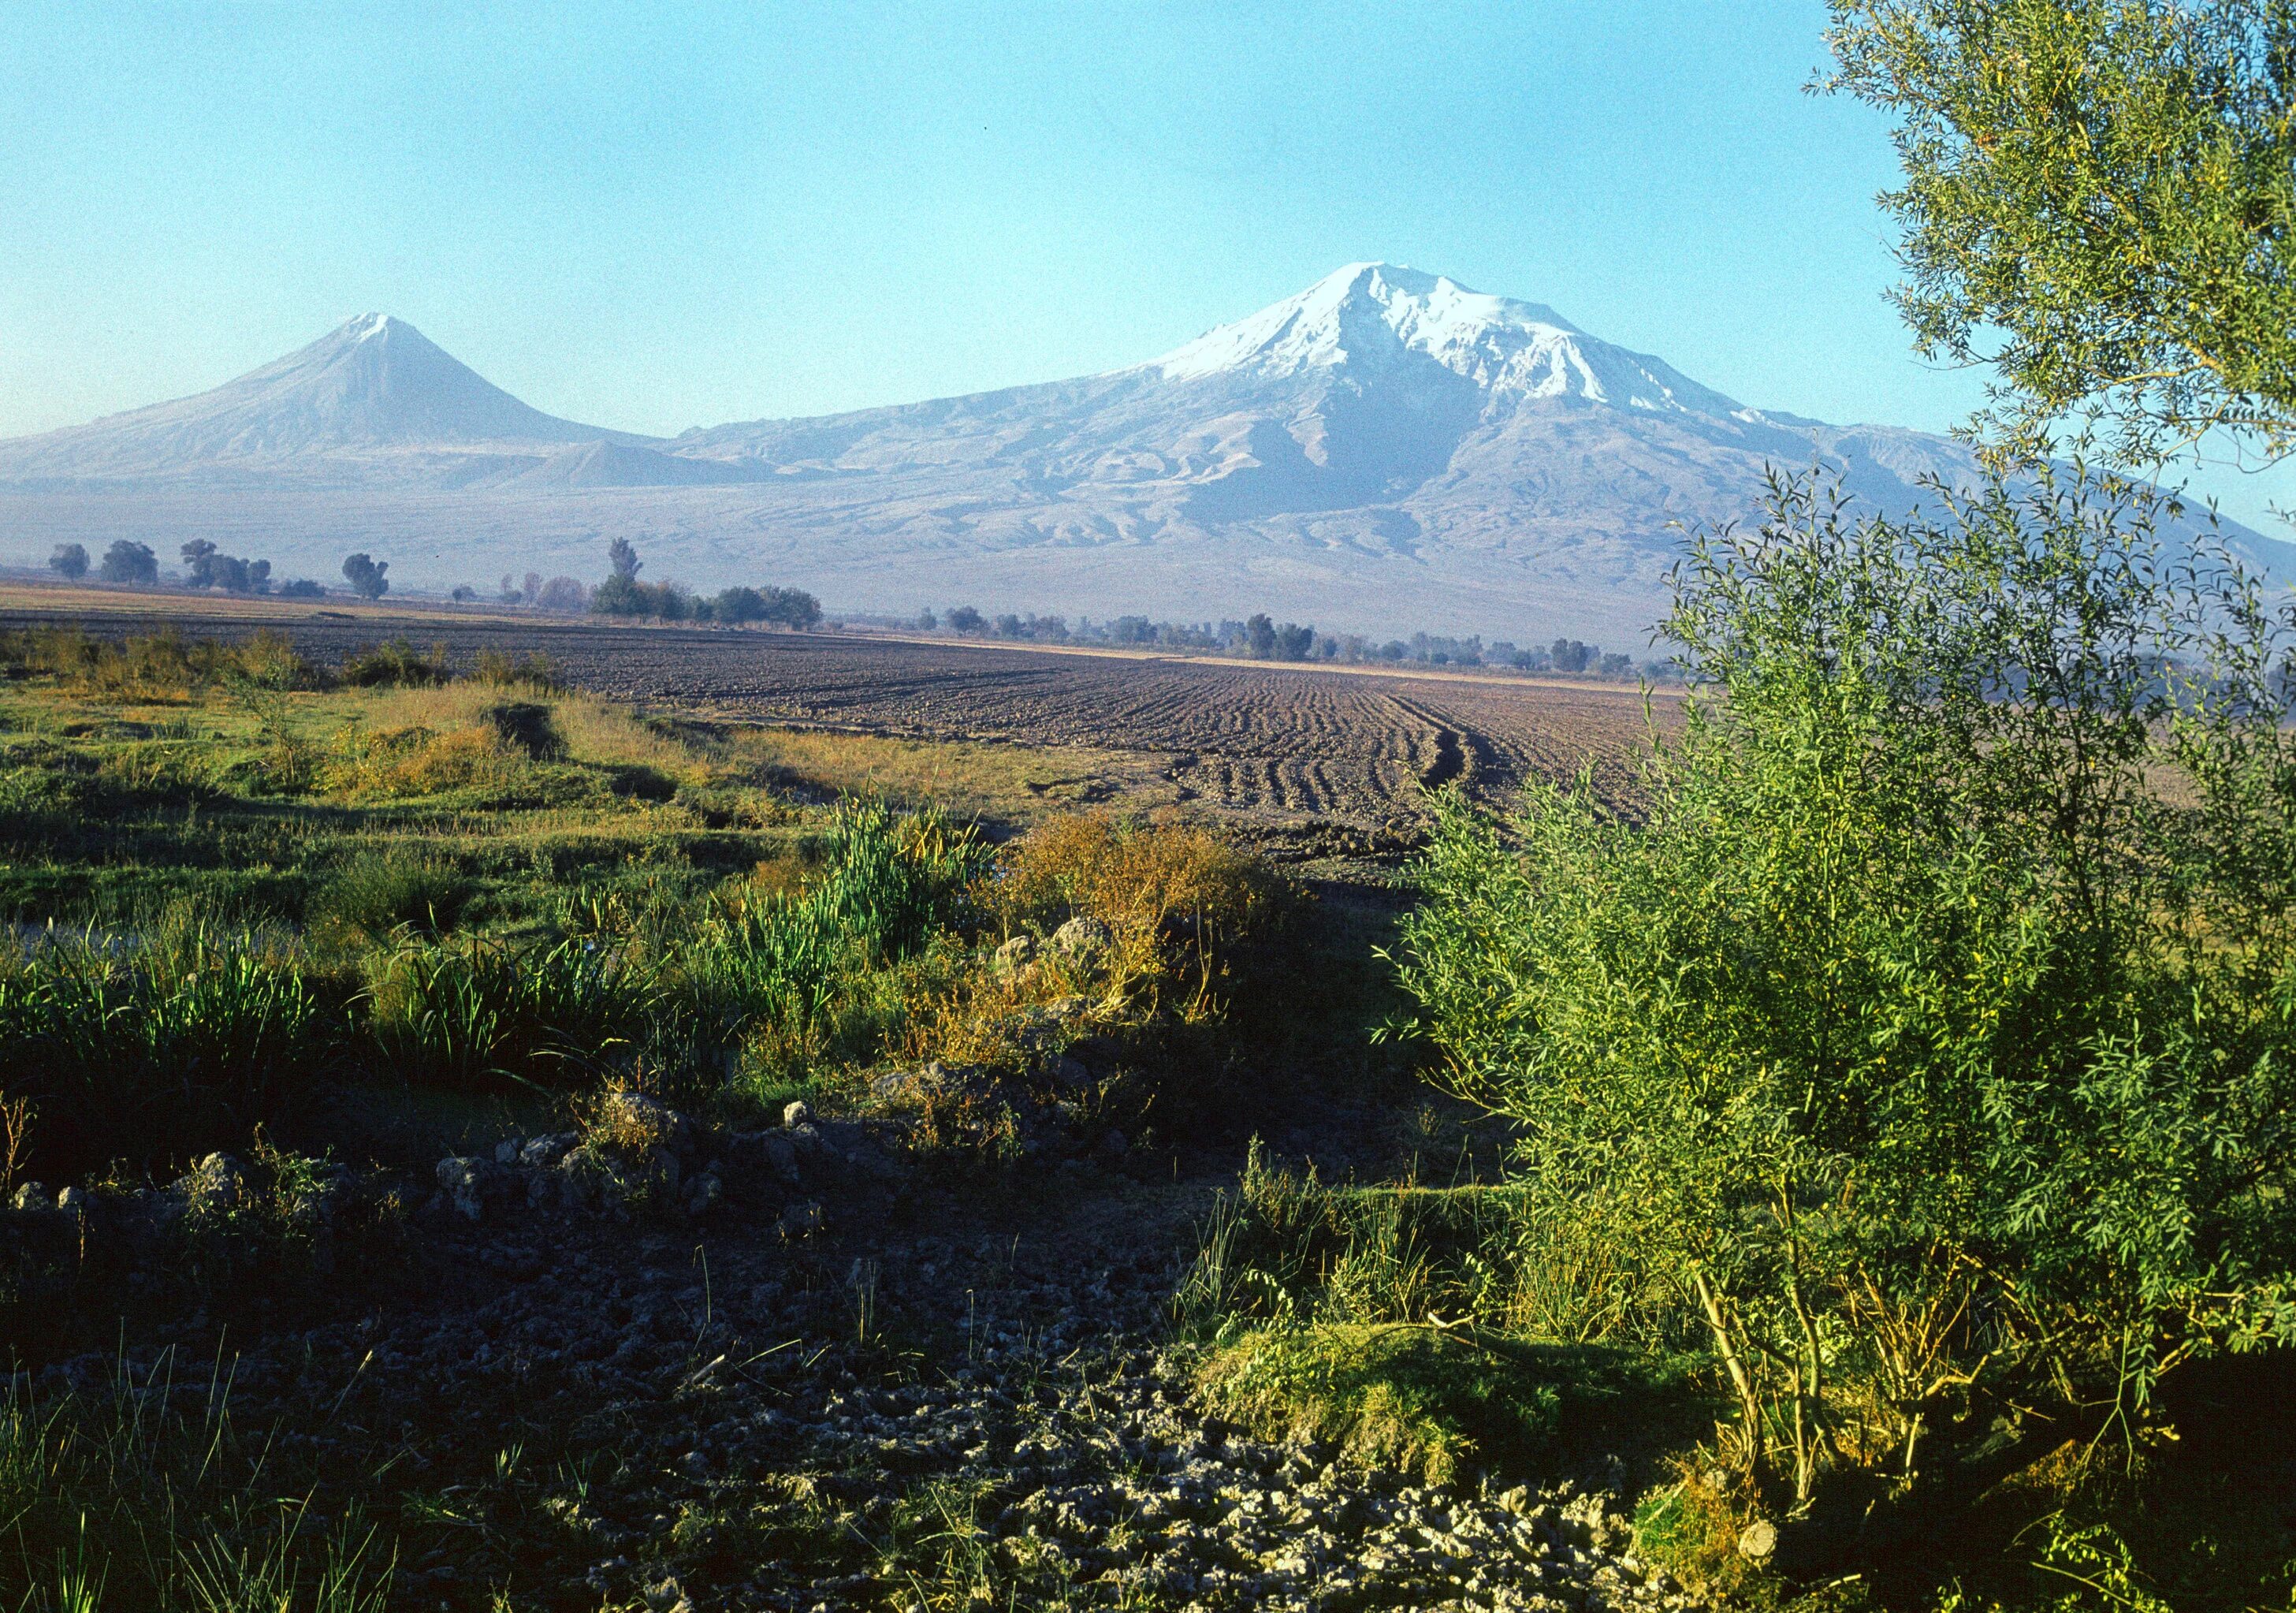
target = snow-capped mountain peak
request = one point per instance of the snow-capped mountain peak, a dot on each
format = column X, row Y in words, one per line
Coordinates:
column 1368, row 316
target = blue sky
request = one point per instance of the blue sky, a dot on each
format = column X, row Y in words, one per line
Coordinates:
column 665, row 216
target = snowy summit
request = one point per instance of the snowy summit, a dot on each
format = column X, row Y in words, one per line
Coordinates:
column 1373, row 315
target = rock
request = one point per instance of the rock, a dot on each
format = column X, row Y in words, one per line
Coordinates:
column 1759, row 1540
column 638, row 1121
column 31, row 1195
column 506, row 1150
column 703, row 1193
column 1066, row 1072
column 771, row 1151
column 1084, row 938
column 72, row 1201
column 213, row 1186
column 541, row 1152
column 466, row 1179
column 1115, row 1144
column 1016, row 954
column 802, row 1220
column 796, row 1115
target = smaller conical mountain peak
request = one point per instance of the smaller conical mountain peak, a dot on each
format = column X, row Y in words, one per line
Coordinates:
column 373, row 384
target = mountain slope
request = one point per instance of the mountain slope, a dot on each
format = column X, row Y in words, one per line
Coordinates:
column 1388, row 450
column 370, row 393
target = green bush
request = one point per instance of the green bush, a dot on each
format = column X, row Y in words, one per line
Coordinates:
column 396, row 664
column 1929, row 1045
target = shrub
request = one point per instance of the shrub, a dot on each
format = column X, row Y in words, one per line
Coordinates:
column 160, row 665
column 396, row 664
column 1930, row 1043
column 1176, row 899
column 532, row 670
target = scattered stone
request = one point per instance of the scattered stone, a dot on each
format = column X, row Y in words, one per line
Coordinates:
column 1084, row 938
column 1016, row 954
column 802, row 1220
column 795, row 1115
column 31, row 1195
column 213, row 1187
column 633, row 1119
column 466, row 1179
column 541, row 1152
column 1759, row 1540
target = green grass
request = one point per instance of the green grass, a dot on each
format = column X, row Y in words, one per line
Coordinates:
column 1448, row 1403
column 145, row 1494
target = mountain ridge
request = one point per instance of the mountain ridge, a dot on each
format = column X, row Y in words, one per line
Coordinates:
column 1385, row 448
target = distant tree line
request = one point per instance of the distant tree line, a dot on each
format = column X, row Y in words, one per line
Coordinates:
column 1262, row 638
column 622, row 595
column 128, row 563
column 569, row 596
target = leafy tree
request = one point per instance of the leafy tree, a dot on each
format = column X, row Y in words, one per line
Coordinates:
column 562, row 594
column 621, row 594
column 1929, row 1050
column 964, row 619
column 205, row 566
column 1259, row 637
column 531, row 588
column 622, row 557
column 927, row 622
column 70, row 561
column 792, row 608
column 1292, row 641
column 739, row 605
column 365, row 576
column 129, row 561
column 2098, row 200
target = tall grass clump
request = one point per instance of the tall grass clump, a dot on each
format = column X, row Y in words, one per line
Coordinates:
column 376, row 894
column 155, row 1046
column 1929, row 1051
column 143, row 1493
column 889, row 882
column 472, row 1012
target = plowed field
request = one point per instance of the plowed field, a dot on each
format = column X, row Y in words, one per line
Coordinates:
column 1325, row 761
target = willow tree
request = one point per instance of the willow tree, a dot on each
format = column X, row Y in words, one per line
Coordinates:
column 2097, row 202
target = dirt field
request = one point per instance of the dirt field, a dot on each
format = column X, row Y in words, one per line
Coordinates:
column 1320, row 763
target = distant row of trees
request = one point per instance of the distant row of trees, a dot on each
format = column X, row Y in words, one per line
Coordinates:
column 621, row 594
column 1262, row 638
column 131, row 564
column 568, row 595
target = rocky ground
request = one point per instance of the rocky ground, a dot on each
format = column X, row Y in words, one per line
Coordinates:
column 784, row 1371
